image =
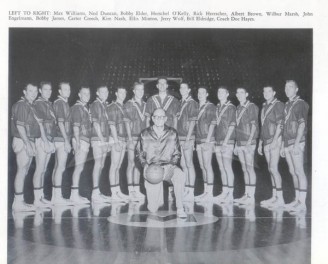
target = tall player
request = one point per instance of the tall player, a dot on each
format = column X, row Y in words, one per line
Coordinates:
column 187, row 117
column 81, row 122
column 205, row 142
column 169, row 104
column 117, row 123
column 25, row 130
column 135, row 112
column 294, row 133
column 44, row 145
column 225, row 140
column 99, row 140
column 62, row 141
column 271, row 120
column 246, row 135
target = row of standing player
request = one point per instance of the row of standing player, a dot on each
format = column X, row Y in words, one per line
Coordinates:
column 223, row 129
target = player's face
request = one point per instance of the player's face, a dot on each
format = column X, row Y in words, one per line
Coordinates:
column 31, row 92
column 202, row 94
column 65, row 90
column 290, row 89
column 162, row 85
column 241, row 95
column 84, row 95
column 222, row 94
column 159, row 118
column 46, row 91
column 184, row 90
column 102, row 93
column 139, row 91
column 121, row 94
column 268, row 93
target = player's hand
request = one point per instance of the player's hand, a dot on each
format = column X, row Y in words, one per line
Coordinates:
column 47, row 146
column 282, row 152
column 118, row 146
column 296, row 149
column 207, row 146
column 188, row 144
column 274, row 144
column 30, row 149
column 235, row 150
column 77, row 146
column 67, row 146
column 130, row 145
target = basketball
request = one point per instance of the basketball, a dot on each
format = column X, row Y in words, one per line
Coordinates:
column 154, row 174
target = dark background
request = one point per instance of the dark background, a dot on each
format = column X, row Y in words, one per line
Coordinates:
column 250, row 58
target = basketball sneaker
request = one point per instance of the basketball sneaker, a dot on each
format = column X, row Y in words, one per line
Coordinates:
column 22, row 206
column 181, row 213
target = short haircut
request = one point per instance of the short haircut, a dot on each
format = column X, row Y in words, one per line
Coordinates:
column 118, row 88
column 83, row 87
column 223, row 87
column 292, row 81
column 45, row 83
column 203, row 87
column 101, row 86
column 61, row 84
column 185, row 84
column 162, row 78
column 136, row 84
column 30, row 83
column 243, row 89
column 271, row 86
column 158, row 110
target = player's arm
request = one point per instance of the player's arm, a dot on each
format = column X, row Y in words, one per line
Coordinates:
column 210, row 132
column 254, row 115
column 62, row 129
column 96, row 125
column 76, row 134
column 190, row 129
column 175, row 122
column 176, row 156
column 140, row 154
column 231, row 117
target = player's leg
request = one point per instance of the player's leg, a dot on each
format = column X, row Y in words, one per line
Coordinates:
column 178, row 180
column 219, row 158
column 294, row 177
column 249, row 159
column 298, row 161
column 273, row 168
column 202, row 167
column 207, row 152
column 267, row 154
column 184, row 168
column 80, row 158
column 191, row 175
column 23, row 161
column 227, row 155
column 154, row 194
column 130, row 171
column 240, row 153
column 41, row 159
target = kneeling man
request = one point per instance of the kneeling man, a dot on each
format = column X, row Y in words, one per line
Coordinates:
column 159, row 144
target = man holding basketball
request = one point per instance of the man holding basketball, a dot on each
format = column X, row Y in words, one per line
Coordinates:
column 159, row 145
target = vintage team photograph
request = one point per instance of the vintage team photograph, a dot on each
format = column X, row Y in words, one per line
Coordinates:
column 159, row 145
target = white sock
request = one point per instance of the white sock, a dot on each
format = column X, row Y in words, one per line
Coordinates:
column 136, row 188
column 210, row 189
column 302, row 196
column 130, row 188
column 74, row 192
column 19, row 198
column 225, row 189
column 205, row 187
column 246, row 189
column 251, row 192
column 274, row 192
column 279, row 195
column 37, row 194
column 297, row 194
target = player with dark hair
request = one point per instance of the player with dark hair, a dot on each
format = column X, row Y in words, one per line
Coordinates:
column 159, row 145
column 62, row 141
column 225, row 140
column 246, row 135
column 25, row 130
column 81, row 122
column 187, row 117
column 99, row 141
column 294, row 134
column 135, row 112
column 205, row 142
column 271, row 120
column 44, row 145
column 117, row 123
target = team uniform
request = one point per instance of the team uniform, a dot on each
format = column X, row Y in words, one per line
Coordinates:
column 117, row 118
column 136, row 115
column 62, row 113
column 295, row 114
column 205, row 117
column 271, row 117
column 23, row 114
column 170, row 106
column 164, row 151
column 188, row 112
column 246, row 117
column 225, row 120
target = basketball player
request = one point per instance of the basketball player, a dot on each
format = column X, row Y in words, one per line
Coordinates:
column 62, row 142
column 225, row 140
column 25, row 130
column 170, row 105
column 271, row 119
column 81, row 122
column 159, row 144
column 186, row 118
column 135, row 113
column 246, row 134
column 44, row 145
column 205, row 142
column 117, row 123
column 99, row 141
column 294, row 133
